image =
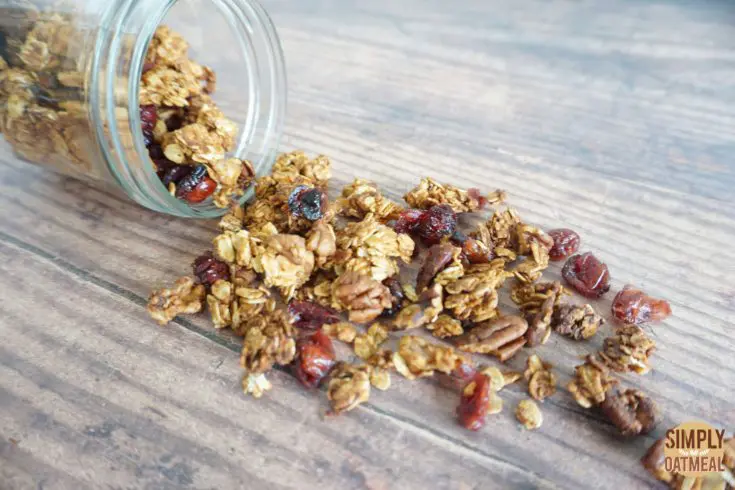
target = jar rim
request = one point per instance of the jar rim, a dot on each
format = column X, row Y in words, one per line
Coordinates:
column 250, row 22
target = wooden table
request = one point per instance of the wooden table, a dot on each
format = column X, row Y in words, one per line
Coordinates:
column 613, row 118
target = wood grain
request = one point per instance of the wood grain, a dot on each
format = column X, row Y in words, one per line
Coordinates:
column 615, row 120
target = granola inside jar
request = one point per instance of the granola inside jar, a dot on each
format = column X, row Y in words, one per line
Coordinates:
column 179, row 103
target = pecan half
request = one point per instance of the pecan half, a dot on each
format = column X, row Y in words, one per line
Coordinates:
column 631, row 412
column 578, row 322
column 364, row 297
column 502, row 337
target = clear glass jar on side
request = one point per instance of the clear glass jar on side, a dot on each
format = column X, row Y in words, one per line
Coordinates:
column 71, row 76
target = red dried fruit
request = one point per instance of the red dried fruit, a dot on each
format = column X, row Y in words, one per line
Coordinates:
column 175, row 174
column 311, row 316
column 148, row 119
column 566, row 242
column 632, row 305
column 459, row 377
column 473, row 250
column 408, row 220
column 197, row 186
column 587, row 275
column 208, row 270
column 307, row 202
column 314, row 359
column 474, row 403
column 148, row 66
column 156, row 152
column 477, row 196
column 174, row 122
column 396, row 293
column 436, row 223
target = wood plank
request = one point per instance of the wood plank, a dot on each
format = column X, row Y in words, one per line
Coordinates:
column 595, row 116
column 93, row 396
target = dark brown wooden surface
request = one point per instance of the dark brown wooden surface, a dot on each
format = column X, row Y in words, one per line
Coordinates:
column 613, row 118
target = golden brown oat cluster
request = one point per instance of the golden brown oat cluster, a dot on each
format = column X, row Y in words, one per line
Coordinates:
column 183, row 126
column 292, row 271
column 41, row 90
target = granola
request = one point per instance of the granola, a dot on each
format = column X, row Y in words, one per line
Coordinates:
column 431, row 193
column 445, row 326
column 367, row 344
column 371, row 248
column 183, row 298
column 529, row 414
column 628, row 350
column 442, row 265
column 417, row 357
column 342, row 331
column 285, row 263
column 541, row 381
column 362, row 197
column 591, row 383
column 579, row 322
column 272, row 343
column 474, row 296
column 348, row 387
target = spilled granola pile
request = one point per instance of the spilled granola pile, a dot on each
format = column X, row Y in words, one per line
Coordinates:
column 412, row 294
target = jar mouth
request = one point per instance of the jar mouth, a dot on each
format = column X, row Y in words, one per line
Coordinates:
column 259, row 49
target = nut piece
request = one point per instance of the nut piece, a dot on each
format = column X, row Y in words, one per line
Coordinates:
column 184, row 298
column 628, row 350
column 541, row 381
column 364, row 297
column 322, row 241
column 502, row 337
column 529, row 414
column 417, row 357
column 538, row 302
column 445, row 326
column 443, row 259
column 349, row 386
column 272, row 343
column 579, row 322
column 631, row 411
column 592, row 381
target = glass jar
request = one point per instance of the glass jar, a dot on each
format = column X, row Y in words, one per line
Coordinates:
column 70, row 80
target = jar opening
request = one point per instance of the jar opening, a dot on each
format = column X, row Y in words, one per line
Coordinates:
column 251, row 88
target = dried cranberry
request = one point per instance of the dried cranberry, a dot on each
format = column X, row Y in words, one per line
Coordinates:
column 587, row 275
column 396, row 293
column 175, row 174
column 311, row 316
column 477, row 196
column 458, row 377
column 408, row 220
column 474, row 403
column 45, row 99
column 148, row 119
column 197, row 186
column 208, row 270
column 307, row 202
column 436, row 223
column 156, row 152
column 566, row 242
column 632, row 305
column 473, row 250
column 314, row 359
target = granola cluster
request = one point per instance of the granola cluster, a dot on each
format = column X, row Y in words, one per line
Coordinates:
column 42, row 89
column 187, row 136
column 343, row 270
